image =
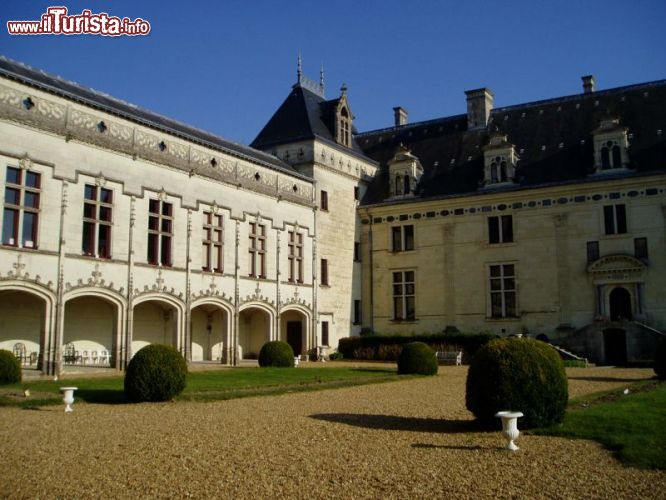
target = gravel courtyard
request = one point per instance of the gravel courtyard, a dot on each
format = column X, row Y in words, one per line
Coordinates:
column 407, row 439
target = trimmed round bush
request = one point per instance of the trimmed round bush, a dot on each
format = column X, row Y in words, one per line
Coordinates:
column 660, row 359
column 156, row 373
column 10, row 368
column 517, row 374
column 276, row 353
column 417, row 357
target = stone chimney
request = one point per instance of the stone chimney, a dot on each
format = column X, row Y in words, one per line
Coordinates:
column 479, row 106
column 400, row 116
column 588, row 84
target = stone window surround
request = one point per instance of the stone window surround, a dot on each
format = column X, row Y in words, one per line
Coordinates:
column 20, row 209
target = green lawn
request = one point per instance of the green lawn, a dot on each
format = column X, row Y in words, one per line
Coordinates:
column 633, row 426
column 203, row 385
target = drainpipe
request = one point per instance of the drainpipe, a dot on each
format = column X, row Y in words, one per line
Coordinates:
column 55, row 352
column 124, row 352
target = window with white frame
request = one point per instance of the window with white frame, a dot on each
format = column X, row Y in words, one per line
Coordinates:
column 295, row 257
column 97, row 221
column 160, row 232
column 20, row 220
column 502, row 290
column 257, row 250
column 402, row 238
column 615, row 219
column 212, row 242
column 404, row 296
column 500, row 229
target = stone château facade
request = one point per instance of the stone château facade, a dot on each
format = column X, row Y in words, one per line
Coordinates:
column 122, row 227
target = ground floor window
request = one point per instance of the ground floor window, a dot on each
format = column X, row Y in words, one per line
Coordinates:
column 502, row 291
column 404, row 296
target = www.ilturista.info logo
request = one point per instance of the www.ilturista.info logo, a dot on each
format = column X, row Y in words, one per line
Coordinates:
column 56, row 21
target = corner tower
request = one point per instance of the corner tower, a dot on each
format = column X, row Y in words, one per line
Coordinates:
column 316, row 137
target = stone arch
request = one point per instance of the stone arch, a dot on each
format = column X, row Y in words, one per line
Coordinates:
column 29, row 319
column 256, row 326
column 156, row 318
column 211, row 330
column 295, row 326
column 620, row 303
column 91, row 333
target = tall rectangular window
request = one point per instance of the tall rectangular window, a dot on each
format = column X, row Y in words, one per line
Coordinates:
column 640, row 248
column 615, row 219
column 592, row 251
column 160, row 232
column 502, row 291
column 357, row 312
column 357, row 251
column 404, row 296
column 257, row 250
column 324, row 333
column 97, row 221
column 20, row 218
column 324, row 272
column 402, row 238
column 295, row 257
column 324, row 200
column 500, row 229
column 212, row 243
column 356, row 193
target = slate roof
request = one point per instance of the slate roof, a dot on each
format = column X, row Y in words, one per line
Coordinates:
column 55, row 85
column 303, row 115
column 553, row 139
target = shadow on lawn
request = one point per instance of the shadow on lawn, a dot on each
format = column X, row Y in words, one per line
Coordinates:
column 397, row 423
column 102, row 396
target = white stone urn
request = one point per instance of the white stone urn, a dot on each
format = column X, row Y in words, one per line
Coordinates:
column 510, row 427
column 68, row 397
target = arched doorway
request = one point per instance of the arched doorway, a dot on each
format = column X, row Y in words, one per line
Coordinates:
column 620, row 304
column 254, row 328
column 542, row 337
column 90, row 332
column 615, row 346
column 155, row 321
column 22, row 325
column 209, row 333
column 293, row 330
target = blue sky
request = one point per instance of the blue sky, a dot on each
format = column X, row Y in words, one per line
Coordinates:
column 225, row 66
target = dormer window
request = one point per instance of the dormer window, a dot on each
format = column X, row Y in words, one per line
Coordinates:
column 610, row 146
column 498, row 170
column 500, row 160
column 405, row 170
column 345, row 128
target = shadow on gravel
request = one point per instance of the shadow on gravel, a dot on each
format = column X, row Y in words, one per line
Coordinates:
column 396, row 423
column 606, row 379
column 448, row 447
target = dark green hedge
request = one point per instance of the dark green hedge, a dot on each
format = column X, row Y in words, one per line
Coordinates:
column 517, row 374
column 156, row 373
column 660, row 359
column 10, row 368
column 388, row 347
column 277, row 354
column 417, row 357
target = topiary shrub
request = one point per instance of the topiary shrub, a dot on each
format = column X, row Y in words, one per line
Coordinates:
column 10, row 368
column 156, row 373
column 660, row 359
column 417, row 357
column 517, row 374
column 276, row 353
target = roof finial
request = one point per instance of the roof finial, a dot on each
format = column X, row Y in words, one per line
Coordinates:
column 321, row 78
column 299, row 71
column 343, row 89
